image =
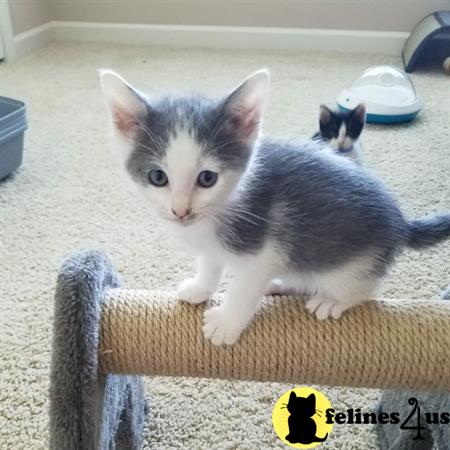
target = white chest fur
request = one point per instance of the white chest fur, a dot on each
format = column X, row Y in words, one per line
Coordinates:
column 200, row 237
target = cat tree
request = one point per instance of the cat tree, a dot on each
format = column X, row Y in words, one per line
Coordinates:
column 105, row 337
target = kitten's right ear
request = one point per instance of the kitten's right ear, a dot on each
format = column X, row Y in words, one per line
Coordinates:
column 126, row 104
column 325, row 115
column 292, row 396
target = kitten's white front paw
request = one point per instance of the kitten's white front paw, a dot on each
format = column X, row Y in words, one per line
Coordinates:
column 324, row 308
column 221, row 327
column 278, row 287
column 192, row 292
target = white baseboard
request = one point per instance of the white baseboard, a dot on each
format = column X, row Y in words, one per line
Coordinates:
column 234, row 37
column 30, row 40
column 355, row 41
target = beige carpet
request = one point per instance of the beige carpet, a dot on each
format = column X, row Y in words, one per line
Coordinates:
column 69, row 194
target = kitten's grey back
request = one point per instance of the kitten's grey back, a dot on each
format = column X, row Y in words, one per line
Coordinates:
column 321, row 210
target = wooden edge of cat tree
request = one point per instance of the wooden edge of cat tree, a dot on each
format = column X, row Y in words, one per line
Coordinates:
column 380, row 344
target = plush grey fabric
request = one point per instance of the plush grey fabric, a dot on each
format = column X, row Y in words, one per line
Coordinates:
column 446, row 294
column 436, row 436
column 88, row 410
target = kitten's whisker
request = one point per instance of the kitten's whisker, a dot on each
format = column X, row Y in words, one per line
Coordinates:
column 219, row 222
column 229, row 231
column 218, row 127
column 207, row 147
column 256, row 216
column 145, row 129
column 248, row 212
column 241, row 214
column 232, row 233
column 152, row 138
column 223, row 144
column 139, row 144
column 213, row 134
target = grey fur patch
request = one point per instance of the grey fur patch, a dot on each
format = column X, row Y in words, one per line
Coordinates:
column 207, row 121
column 321, row 211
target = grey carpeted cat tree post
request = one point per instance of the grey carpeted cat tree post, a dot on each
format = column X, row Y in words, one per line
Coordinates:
column 435, row 436
column 89, row 410
column 105, row 337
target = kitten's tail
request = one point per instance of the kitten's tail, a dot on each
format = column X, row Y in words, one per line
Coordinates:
column 428, row 231
column 318, row 439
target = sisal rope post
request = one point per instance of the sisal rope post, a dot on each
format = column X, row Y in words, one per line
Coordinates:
column 382, row 344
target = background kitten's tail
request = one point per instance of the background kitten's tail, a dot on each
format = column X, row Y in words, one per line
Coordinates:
column 428, row 231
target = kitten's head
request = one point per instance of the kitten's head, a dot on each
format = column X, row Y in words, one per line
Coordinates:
column 341, row 129
column 186, row 154
column 302, row 406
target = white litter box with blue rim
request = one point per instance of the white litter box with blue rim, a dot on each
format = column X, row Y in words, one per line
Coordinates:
column 387, row 92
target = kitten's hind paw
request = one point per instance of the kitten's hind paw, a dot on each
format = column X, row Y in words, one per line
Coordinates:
column 192, row 292
column 220, row 327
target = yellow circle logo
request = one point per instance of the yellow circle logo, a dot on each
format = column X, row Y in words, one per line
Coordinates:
column 299, row 418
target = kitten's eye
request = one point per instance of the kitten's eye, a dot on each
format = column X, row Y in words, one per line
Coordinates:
column 207, row 178
column 157, row 178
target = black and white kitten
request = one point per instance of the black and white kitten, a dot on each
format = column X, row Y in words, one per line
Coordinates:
column 341, row 131
column 257, row 206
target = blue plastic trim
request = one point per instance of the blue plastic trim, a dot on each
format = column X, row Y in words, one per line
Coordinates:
column 386, row 118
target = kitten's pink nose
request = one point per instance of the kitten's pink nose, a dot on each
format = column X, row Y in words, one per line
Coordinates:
column 181, row 213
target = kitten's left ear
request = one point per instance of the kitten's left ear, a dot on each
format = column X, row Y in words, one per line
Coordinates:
column 245, row 105
column 356, row 122
column 359, row 113
column 127, row 105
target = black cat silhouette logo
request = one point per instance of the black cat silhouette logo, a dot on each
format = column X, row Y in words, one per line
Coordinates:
column 302, row 427
column 299, row 418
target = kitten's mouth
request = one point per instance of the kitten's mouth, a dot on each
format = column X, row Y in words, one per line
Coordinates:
column 186, row 220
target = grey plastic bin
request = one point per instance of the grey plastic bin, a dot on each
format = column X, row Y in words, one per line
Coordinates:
column 13, row 123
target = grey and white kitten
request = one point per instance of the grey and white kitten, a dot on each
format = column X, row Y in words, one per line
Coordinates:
column 261, row 208
column 341, row 131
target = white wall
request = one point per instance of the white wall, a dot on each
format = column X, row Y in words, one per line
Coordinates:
column 393, row 15
column 28, row 14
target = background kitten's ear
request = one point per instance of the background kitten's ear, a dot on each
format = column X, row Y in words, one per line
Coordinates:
column 325, row 115
column 356, row 122
column 245, row 105
column 127, row 106
column 359, row 113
